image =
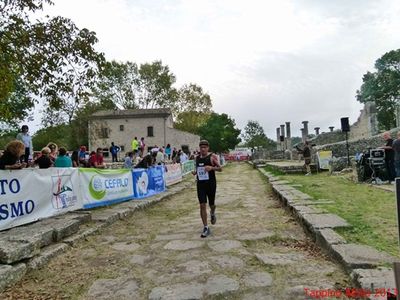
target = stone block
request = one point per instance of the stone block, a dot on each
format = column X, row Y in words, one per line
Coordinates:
column 105, row 216
column 39, row 233
column 80, row 236
column 319, row 221
column 9, row 275
column 299, row 210
column 82, row 216
column 328, row 237
column 11, row 252
column 276, row 259
column 46, row 255
column 65, row 229
column 374, row 278
column 355, row 256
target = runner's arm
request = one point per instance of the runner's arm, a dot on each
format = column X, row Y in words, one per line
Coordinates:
column 216, row 166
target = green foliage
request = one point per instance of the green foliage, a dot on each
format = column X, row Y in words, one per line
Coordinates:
column 254, row 136
column 191, row 121
column 220, row 132
column 7, row 136
column 59, row 134
column 383, row 88
column 51, row 60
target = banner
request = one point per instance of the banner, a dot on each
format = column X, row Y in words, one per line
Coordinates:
column 31, row 194
column 148, row 182
column 188, row 167
column 173, row 174
column 323, row 159
column 105, row 186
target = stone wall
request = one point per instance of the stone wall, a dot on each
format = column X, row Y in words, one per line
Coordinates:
column 356, row 146
column 328, row 138
column 366, row 124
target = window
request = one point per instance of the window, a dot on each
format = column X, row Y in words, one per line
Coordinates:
column 104, row 133
column 121, row 127
column 150, row 131
column 122, row 146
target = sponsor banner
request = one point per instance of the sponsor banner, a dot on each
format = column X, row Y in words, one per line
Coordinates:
column 32, row 194
column 173, row 174
column 188, row 167
column 105, row 186
column 148, row 182
column 324, row 158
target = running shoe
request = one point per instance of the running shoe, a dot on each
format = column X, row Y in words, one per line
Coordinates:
column 206, row 232
column 213, row 218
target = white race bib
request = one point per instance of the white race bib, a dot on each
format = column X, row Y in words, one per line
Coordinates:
column 202, row 174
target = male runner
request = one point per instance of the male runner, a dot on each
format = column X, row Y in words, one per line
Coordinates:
column 206, row 165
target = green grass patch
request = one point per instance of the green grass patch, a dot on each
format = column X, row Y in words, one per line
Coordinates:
column 371, row 211
column 274, row 170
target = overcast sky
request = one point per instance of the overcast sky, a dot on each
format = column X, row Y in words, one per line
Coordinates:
column 266, row 60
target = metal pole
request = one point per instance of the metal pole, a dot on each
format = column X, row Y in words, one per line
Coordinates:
column 347, row 147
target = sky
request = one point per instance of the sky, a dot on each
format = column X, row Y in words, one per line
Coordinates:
column 265, row 60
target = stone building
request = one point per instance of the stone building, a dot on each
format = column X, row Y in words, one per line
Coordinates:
column 121, row 126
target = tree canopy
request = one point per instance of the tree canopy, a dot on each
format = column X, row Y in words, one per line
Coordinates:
column 254, row 136
column 49, row 60
column 220, row 132
column 383, row 88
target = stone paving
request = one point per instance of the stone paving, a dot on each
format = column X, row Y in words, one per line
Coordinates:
column 256, row 251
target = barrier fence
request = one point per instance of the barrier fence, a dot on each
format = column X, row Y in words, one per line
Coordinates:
column 31, row 194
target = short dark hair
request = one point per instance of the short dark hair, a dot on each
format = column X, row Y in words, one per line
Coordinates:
column 24, row 127
column 204, row 143
column 99, row 149
column 62, row 151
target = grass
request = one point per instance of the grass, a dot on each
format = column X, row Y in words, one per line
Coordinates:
column 371, row 211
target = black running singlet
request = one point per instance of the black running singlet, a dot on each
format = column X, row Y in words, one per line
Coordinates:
column 202, row 175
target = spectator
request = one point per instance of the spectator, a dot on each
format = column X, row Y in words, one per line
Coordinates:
column 135, row 144
column 44, row 161
column 396, row 149
column 389, row 156
column 168, row 151
column 75, row 159
column 10, row 160
column 114, row 151
column 160, row 159
column 63, row 161
column 142, row 146
column 145, row 163
column 174, row 153
column 26, row 139
column 97, row 160
column 82, row 156
column 155, row 149
column 306, row 152
column 128, row 162
column 53, row 151
column 183, row 157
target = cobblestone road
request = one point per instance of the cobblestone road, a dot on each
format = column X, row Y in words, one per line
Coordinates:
column 256, row 251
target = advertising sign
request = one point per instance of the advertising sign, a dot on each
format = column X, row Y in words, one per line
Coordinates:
column 148, row 182
column 32, row 194
column 324, row 157
column 173, row 174
column 105, row 186
column 188, row 167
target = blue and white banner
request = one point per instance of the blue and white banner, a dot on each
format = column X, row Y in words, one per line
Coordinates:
column 32, row 194
column 101, row 187
column 148, row 182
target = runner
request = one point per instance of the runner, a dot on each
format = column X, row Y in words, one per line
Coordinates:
column 206, row 165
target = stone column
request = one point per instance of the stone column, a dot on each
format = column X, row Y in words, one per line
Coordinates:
column 316, row 130
column 331, row 128
column 278, row 138
column 303, row 138
column 283, row 134
column 305, row 126
column 288, row 136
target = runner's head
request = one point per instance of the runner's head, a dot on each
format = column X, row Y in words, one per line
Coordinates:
column 204, row 147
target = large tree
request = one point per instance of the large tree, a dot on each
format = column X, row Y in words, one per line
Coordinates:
column 192, row 108
column 221, row 132
column 383, row 88
column 49, row 60
column 254, row 136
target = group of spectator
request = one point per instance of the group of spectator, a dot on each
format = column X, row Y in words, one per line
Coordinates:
column 18, row 154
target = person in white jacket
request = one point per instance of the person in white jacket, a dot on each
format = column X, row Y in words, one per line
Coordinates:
column 26, row 138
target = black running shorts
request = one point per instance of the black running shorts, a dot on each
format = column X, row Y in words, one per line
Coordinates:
column 206, row 191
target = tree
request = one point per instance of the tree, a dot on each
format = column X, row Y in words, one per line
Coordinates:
column 192, row 108
column 50, row 60
column 254, row 136
column 383, row 88
column 220, row 132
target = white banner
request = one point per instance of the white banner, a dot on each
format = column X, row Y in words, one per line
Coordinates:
column 105, row 186
column 173, row 174
column 31, row 194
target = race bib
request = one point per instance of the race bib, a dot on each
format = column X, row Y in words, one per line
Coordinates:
column 202, row 174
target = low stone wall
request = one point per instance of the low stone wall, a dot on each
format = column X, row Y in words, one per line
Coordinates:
column 356, row 146
column 328, row 138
